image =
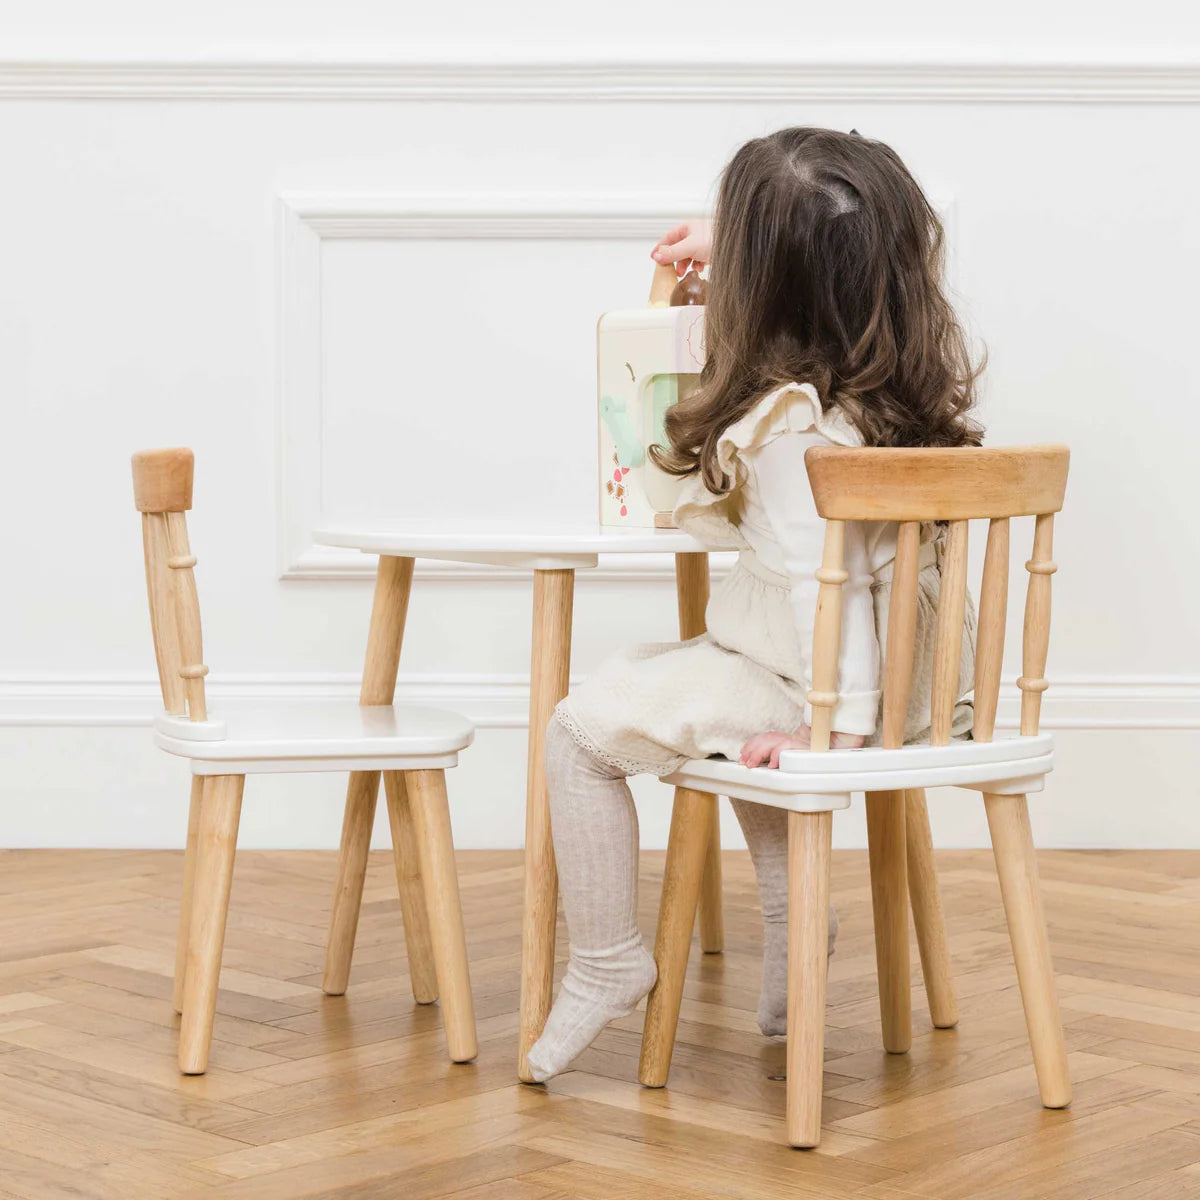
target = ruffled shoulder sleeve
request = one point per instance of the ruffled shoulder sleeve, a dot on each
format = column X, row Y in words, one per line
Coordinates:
column 793, row 408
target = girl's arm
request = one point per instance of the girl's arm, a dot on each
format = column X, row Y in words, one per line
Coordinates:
column 783, row 488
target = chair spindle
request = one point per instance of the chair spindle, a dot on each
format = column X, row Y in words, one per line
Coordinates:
column 993, row 614
column 1037, row 624
column 827, row 634
column 187, row 606
column 947, row 649
column 164, row 622
column 901, row 634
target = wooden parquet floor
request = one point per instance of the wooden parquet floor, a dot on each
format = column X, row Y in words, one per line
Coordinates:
column 309, row 1096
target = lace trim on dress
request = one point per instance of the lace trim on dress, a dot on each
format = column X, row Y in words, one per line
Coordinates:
column 627, row 766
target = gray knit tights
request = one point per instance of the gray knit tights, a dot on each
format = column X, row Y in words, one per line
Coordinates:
column 596, row 846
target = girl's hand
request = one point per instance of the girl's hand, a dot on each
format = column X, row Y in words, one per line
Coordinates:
column 765, row 748
column 688, row 246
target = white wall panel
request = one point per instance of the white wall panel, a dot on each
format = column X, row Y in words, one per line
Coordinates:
column 279, row 283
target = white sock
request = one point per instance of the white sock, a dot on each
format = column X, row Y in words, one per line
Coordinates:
column 595, row 829
column 765, row 829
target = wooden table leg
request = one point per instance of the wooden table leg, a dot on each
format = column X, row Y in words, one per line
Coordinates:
column 688, row 843
column 393, row 583
column 549, row 678
column 691, row 592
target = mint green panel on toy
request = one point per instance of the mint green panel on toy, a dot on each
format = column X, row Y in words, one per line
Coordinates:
column 665, row 393
column 630, row 451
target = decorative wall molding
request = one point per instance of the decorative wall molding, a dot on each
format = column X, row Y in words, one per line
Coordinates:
column 947, row 82
column 304, row 222
column 492, row 701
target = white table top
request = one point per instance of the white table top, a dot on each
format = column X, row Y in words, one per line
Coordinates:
column 531, row 547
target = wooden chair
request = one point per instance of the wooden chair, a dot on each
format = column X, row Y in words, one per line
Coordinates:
column 412, row 746
column 910, row 486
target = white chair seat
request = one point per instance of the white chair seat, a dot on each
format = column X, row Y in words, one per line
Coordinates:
column 328, row 735
column 820, row 782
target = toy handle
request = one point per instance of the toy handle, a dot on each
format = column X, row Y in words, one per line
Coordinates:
column 662, row 285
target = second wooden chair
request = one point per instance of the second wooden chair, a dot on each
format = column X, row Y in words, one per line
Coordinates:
column 411, row 746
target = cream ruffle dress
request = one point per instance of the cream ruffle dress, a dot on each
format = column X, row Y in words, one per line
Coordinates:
column 649, row 708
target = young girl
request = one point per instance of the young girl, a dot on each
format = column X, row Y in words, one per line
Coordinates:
column 826, row 323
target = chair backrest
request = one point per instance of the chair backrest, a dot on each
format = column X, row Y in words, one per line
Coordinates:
column 162, row 493
column 913, row 486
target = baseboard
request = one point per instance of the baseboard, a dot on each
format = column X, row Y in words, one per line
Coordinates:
column 495, row 701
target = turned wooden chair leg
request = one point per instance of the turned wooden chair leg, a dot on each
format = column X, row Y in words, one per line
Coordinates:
column 185, row 899
column 407, row 855
column 357, row 822
column 712, row 920
column 687, row 845
column 889, row 899
column 927, row 912
column 1016, row 864
column 810, row 838
column 431, row 818
column 220, row 810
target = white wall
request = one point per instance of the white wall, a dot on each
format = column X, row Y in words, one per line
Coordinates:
column 335, row 282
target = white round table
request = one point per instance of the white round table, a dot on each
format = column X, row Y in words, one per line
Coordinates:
column 553, row 555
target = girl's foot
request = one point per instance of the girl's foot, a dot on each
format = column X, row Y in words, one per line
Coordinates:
column 596, row 989
column 772, row 1002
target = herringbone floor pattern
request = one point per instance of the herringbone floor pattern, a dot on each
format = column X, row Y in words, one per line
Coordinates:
column 315, row 1097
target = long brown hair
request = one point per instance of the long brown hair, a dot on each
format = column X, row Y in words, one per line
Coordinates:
column 827, row 269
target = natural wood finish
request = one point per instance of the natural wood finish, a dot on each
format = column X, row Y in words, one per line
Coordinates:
column 389, row 615
column 164, row 623
column 220, row 811
column 901, row 634
column 928, row 918
column 687, row 844
column 187, row 615
column 185, row 900
column 409, row 880
column 810, row 840
column 1016, row 865
column 431, row 818
column 549, row 678
column 174, row 613
column 307, row 1095
column 993, row 615
column 162, row 480
column 948, row 640
column 914, row 488
column 389, row 612
column 216, row 800
column 957, row 484
column 691, row 594
column 358, row 819
column 1037, row 624
column 827, row 635
column 709, row 912
column 889, row 902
